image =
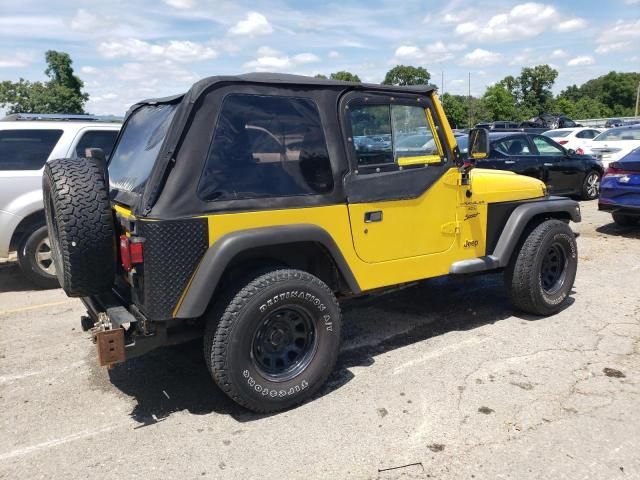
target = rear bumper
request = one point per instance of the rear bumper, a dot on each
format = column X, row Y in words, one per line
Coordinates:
column 120, row 331
column 622, row 209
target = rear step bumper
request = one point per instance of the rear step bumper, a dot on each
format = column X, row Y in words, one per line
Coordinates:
column 117, row 332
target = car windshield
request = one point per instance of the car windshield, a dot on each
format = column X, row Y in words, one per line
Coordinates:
column 138, row 147
column 557, row 133
column 616, row 134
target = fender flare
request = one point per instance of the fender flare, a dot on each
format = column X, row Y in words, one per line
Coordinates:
column 512, row 231
column 219, row 255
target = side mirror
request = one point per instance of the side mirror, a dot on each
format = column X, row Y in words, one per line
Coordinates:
column 571, row 152
column 95, row 153
column 478, row 143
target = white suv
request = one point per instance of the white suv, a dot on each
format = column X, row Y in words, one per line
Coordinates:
column 27, row 141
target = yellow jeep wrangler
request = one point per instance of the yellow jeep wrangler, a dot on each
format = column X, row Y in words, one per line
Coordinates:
column 244, row 209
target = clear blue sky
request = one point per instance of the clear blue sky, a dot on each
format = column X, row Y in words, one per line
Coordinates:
column 128, row 50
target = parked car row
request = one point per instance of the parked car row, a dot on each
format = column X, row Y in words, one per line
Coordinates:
column 26, row 143
column 564, row 171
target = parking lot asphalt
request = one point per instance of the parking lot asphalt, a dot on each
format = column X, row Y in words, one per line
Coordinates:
column 438, row 380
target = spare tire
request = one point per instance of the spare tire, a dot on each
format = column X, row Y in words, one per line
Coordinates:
column 80, row 222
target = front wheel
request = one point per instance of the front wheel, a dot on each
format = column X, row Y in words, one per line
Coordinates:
column 591, row 186
column 541, row 274
column 35, row 259
column 277, row 341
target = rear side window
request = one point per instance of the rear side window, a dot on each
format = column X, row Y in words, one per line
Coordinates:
column 559, row 133
column 512, row 147
column 103, row 139
column 26, row 149
column 266, row 146
column 138, row 147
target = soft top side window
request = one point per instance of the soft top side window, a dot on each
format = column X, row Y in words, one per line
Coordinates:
column 266, row 146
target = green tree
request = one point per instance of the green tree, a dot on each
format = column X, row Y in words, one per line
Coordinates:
column 499, row 103
column 534, row 88
column 61, row 94
column 406, row 75
column 345, row 76
column 455, row 106
column 613, row 94
column 320, row 76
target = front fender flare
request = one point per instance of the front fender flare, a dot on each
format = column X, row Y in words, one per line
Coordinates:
column 221, row 253
column 512, row 231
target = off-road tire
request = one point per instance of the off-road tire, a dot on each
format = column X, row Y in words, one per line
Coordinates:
column 230, row 338
column 625, row 220
column 587, row 192
column 28, row 259
column 524, row 274
column 80, row 221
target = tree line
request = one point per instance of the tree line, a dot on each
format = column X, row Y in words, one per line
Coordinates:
column 514, row 98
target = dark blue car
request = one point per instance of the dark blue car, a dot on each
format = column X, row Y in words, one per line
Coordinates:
column 620, row 189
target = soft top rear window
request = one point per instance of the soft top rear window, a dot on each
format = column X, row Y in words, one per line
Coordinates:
column 138, row 147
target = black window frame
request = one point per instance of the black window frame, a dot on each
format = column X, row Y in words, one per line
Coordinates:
column 271, row 93
column 373, row 99
column 60, row 133
column 398, row 183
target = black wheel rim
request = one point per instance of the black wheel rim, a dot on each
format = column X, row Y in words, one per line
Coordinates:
column 554, row 268
column 284, row 343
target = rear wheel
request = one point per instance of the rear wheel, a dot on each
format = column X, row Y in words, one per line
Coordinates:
column 276, row 342
column 35, row 259
column 624, row 220
column 591, row 186
column 541, row 274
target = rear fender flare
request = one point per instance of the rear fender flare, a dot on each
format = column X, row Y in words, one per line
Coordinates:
column 221, row 253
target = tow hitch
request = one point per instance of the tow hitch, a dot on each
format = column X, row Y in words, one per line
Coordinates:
column 109, row 341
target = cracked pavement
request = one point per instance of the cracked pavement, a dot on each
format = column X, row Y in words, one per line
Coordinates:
column 439, row 380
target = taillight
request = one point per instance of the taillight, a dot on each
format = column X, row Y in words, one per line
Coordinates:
column 580, row 151
column 562, row 142
column 131, row 251
column 616, row 169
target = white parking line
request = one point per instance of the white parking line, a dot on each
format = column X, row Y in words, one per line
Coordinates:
column 436, row 353
column 47, row 371
column 58, row 441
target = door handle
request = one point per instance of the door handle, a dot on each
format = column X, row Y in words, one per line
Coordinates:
column 373, row 216
column 509, row 161
column 548, row 164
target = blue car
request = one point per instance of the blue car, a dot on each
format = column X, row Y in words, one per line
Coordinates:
column 620, row 189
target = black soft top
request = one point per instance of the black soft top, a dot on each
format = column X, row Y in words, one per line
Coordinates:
column 283, row 79
column 189, row 136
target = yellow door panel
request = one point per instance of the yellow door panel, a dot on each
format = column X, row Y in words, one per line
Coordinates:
column 407, row 228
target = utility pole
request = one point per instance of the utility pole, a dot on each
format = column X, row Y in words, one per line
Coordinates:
column 442, row 85
column 469, row 101
column 637, row 98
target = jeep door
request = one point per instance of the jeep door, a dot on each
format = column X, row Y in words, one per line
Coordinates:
column 402, row 190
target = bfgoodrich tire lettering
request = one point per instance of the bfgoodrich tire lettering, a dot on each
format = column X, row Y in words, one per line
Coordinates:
column 541, row 274
column 80, row 221
column 230, row 341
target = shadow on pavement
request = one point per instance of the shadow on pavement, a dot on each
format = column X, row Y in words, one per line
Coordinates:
column 175, row 378
column 12, row 280
column 620, row 231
